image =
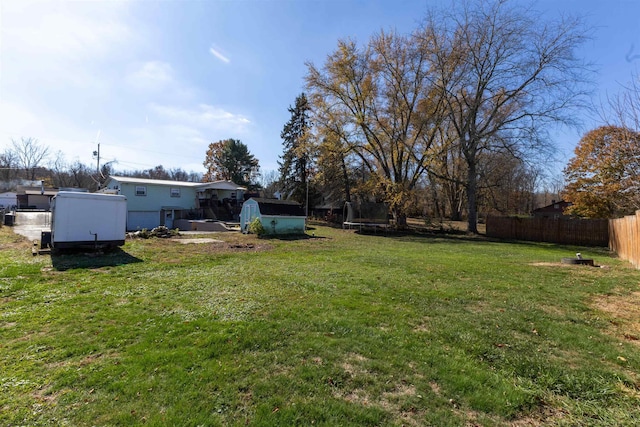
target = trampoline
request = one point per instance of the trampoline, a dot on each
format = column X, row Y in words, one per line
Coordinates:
column 366, row 215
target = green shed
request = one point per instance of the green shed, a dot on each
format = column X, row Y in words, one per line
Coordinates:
column 276, row 216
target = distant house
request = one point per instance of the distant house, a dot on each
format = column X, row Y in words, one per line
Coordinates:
column 8, row 200
column 553, row 211
column 276, row 216
column 154, row 202
column 35, row 197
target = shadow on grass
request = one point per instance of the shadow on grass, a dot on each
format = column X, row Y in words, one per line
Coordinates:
column 463, row 237
column 71, row 259
column 426, row 236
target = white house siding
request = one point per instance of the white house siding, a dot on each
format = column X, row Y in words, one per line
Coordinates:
column 157, row 196
column 138, row 220
column 161, row 199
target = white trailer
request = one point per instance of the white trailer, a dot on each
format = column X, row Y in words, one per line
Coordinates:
column 88, row 219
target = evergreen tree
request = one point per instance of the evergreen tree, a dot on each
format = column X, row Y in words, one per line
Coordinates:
column 231, row 160
column 296, row 159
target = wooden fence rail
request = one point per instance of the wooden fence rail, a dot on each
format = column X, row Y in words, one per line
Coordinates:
column 580, row 232
column 624, row 238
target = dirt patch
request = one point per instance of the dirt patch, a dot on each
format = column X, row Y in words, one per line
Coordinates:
column 14, row 245
column 624, row 315
column 353, row 364
column 551, row 264
column 45, row 395
column 546, row 415
column 198, row 241
column 422, row 327
column 435, row 388
column 393, row 401
column 584, row 267
column 237, row 247
column 209, row 245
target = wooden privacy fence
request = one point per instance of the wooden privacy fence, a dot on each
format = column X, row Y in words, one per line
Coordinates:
column 624, row 238
column 581, row 232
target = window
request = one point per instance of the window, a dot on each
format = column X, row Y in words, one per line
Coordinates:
column 141, row 190
column 175, row 192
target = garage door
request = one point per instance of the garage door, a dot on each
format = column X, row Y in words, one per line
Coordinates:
column 137, row 220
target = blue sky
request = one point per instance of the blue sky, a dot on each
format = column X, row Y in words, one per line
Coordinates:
column 155, row 81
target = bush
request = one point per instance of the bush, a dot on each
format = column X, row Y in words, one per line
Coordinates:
column 160, row 231
column 256, row 227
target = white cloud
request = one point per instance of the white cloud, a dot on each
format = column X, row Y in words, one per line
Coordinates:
column 71, row 68
column 216, row 52
column 151, row 76
column 65, row 30
column 204, row 116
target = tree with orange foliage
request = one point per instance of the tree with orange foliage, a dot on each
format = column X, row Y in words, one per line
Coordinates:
column 231, row 160
column 603, row 176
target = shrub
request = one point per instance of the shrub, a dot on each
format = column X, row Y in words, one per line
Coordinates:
column 256, row 227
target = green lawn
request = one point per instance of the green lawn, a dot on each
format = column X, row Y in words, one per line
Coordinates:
column 336, row 329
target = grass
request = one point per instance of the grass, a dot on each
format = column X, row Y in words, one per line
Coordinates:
column 335, row 329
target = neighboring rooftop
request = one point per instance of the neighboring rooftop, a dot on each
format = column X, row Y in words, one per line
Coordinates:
column 217, row 185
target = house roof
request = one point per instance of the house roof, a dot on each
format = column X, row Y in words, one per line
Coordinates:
column 214, row 185
column 145, row 181
column 39, row 192
column 558, row 206
column 279, row 207
column 221, row 185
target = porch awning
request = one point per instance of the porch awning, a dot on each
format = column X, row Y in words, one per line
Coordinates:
column 174, row 208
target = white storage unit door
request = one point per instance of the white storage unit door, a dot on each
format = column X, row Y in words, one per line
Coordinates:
column 137, row 220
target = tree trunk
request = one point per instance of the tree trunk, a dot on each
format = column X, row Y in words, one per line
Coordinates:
column 345, row 176
column 472, row 190
column 434, row 194
column 401, row 220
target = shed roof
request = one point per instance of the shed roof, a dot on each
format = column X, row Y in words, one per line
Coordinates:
column 279, row 207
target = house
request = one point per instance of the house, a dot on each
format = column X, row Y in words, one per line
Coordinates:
column 553, row 211
column 276, row 216
column 8, row 200
column 154, row 202
column 38, row 198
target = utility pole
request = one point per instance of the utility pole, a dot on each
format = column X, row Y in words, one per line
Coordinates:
column 97, row 155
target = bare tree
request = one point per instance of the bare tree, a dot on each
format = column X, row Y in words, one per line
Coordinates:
column 269, row 182
column 59, row 171
column 624, row 108
column 378, row 102
column 30, row 154
column 506, row 75
column 8, row 165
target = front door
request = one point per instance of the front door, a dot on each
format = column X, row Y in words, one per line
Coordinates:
column 168, row 219
column 250, row 213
